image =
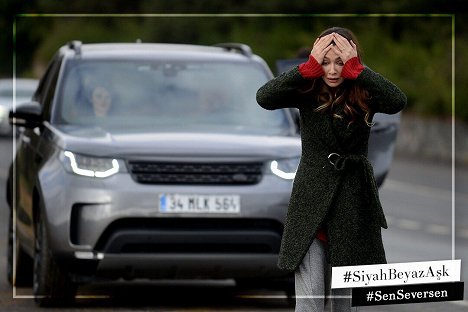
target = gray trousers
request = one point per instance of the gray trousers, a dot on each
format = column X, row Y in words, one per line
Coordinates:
column 313, row 281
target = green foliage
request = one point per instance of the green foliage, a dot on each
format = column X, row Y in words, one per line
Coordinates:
column 419, row 65
column 415, row 52
column 461, row 77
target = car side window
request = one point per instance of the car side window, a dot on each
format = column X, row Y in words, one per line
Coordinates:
column 50, row 87
column 39, row 94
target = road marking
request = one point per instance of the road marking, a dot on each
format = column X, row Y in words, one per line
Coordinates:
column 463, row 233
column 3, row 173
column 463, row 303
column 431, row 228
column 438, row 229
column 390, row 220
column 423, row 190
column 409, row 224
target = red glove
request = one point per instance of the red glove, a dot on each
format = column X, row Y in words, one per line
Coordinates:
column 352, row 68
column 311, row 69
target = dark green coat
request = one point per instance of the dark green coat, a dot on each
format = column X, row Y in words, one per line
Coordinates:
column 343, row 198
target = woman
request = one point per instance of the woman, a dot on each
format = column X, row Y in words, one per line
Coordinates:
column 101, row 101
column 334, row 216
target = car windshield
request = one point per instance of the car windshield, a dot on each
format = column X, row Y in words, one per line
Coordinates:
column 178, row 96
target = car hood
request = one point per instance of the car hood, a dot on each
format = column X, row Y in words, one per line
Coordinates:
column 98, row 142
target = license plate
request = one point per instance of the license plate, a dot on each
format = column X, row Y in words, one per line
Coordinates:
column 181, row 203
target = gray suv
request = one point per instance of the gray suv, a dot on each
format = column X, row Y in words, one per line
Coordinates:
column 150, row 161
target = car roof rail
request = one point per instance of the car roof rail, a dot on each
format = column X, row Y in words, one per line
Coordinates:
column 75, row 45
column 240, row 47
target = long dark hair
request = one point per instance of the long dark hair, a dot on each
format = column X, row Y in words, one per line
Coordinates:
column 348, row 93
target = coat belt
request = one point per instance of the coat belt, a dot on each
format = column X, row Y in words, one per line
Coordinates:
column 342, row 163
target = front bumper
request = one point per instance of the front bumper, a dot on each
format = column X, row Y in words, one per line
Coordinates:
column 115, row 226
column 179, row 266
column 5, row 127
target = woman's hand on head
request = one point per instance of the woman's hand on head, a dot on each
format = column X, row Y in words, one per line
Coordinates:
column 321, row 46
column 345, row 49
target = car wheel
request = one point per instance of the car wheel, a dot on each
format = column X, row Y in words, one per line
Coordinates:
column 249, row 283
column 286, row 285
column 51, row 284
column 19, row 266
column 290, row 295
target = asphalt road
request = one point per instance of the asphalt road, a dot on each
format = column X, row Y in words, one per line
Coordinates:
column 417, row 198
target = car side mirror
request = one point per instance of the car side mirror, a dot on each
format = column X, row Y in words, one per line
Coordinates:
column 27, row 115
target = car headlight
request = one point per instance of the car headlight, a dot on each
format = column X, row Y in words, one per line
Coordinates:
column 285, row 168
column 4, row 111
column 90, row 166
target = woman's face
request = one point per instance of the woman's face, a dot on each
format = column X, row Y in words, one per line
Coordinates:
column 101, row 100
column 332, row 66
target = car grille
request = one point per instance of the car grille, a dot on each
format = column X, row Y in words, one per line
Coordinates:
column 195, row 173
column 198, row 235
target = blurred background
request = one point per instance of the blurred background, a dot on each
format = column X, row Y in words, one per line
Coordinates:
column 413, row 46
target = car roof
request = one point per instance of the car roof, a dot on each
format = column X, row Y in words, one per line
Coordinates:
column 155, row 51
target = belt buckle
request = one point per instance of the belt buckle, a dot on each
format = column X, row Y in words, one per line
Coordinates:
column 331, row 161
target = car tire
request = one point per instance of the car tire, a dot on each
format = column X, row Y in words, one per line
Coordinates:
column 51, row 284
column 290, row 295
column 286, row 285
column 20, row 266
